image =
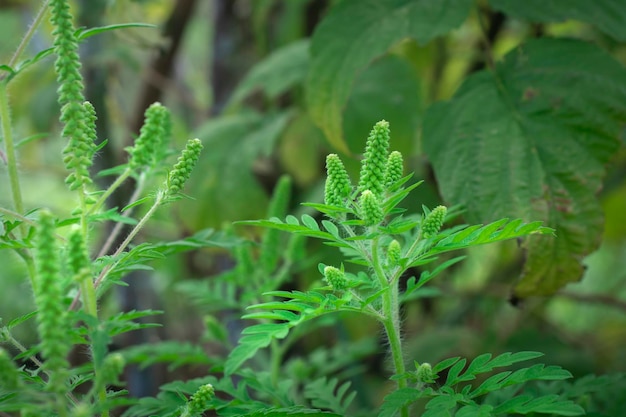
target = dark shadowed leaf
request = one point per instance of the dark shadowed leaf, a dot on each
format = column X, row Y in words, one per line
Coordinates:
column 518, row 141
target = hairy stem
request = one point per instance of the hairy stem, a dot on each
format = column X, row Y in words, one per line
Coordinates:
column 110, row 191
column 29, row 33
column 391, row 321
column 14, row 180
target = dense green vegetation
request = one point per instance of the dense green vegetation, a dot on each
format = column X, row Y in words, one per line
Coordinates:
column 308, row 207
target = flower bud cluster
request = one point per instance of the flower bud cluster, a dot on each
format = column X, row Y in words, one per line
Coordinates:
column 336, row 278
column 52, row 316
column 371, row 211
column 373, row 166
column 153, row 137
column 433, row 221
column 393, row 169
column 199, row 401
column 182, row 170
column 338, row 187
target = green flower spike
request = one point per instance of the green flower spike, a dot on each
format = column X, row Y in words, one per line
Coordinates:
column 371, row 212
column 52, row 317
column 199, row 401
column 67, row 65
column 79, row 130
column 393, row 169
column 182, row 170
column 394, row 253
column 433, row 222
column 335, row 277
column 372, row 175
column 338, row 186
column 9, row 376
column 153, row 137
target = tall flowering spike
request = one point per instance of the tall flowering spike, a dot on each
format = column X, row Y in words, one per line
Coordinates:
column 67, row 65
column 182, row 170
column 200, row 400
column 433, row 222
column 335, row 277
column 338, row 185
column 393, row 169
column 79, row 130
column 371, row 211
column 51, row 318
column 153, row 136
column 372, row 175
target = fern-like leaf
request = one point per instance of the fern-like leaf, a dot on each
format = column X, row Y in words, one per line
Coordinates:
column 328, row 394
column 497, row 231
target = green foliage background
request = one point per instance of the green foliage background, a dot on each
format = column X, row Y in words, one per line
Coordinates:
column 508, row 108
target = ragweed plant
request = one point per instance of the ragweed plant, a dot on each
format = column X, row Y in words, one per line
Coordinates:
column 68, row 278
column 381, row 243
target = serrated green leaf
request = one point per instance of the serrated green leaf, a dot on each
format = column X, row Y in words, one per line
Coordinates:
column 290, row 412
column 356, row 32
column 249, row 344
column 475, row 410
column 397, row 399
column 607, row 15
column 535, row 150
column 549, row 404
column 453, row 373
column 444, row 364
column 327, row 394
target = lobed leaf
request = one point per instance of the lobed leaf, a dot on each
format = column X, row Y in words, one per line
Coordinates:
column 534, row 149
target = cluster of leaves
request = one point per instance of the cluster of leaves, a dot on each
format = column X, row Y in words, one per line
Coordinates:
column 454, row 399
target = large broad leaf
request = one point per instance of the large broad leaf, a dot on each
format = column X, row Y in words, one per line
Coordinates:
column 529, row 140
column 357, row 31
column 607, row 15
column 389, row 90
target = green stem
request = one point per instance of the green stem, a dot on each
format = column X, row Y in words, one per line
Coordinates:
column 14, row 180
column 275, row 361
column 118, row 226
column 161, row 195
column 391, row 321
column 110, row 191
column 29, row 33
